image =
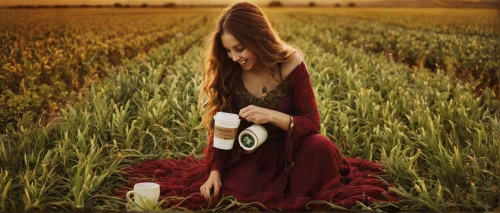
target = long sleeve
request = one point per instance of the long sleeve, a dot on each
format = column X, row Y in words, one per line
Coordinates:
column 214, row 158
column 305, row 116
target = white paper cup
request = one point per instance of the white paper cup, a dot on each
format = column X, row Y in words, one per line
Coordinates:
column 146, row 196
column 226, row 130
column 223, row 144
column 257, row 133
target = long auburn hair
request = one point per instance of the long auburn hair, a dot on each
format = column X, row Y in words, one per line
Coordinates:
column 248, row 24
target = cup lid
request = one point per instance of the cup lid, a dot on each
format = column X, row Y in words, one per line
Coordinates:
column 227, row 116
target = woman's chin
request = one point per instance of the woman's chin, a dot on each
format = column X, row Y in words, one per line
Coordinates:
column 246, row 68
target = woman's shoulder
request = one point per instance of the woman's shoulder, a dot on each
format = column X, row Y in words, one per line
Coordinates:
column 289, row 66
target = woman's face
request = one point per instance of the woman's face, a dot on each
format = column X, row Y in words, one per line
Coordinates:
column 236, row 51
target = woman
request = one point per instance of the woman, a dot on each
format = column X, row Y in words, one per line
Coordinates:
column 251, row 72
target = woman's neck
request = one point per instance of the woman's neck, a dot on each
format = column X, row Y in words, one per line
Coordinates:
column 261, row 70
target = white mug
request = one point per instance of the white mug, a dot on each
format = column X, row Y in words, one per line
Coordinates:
column 146, row 196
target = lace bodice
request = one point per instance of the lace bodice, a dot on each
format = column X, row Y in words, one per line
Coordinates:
column 270, row 100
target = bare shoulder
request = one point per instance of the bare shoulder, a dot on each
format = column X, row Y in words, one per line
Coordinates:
column 289, row 66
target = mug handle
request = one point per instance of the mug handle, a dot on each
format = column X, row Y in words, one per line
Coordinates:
column 128, row 196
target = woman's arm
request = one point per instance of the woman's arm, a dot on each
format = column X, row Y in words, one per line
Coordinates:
column 218, row 160
column 306, row 116
column 214, row 158
column 259, row 115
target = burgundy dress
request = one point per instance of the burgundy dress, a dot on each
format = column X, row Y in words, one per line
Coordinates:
column 286, row 172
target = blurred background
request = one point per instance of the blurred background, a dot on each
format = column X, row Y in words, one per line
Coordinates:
column 337, row 3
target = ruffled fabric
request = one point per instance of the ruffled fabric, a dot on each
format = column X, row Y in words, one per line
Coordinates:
column 180, row 181
column 289, row 171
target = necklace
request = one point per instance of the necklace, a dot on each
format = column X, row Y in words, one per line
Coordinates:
column 264, row 88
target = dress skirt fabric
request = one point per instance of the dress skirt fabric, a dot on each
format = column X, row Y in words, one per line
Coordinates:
column 291, row 169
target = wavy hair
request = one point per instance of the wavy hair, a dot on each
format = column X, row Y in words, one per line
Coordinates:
column 248, row 24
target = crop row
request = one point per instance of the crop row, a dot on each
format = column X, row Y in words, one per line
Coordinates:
column 39, row 76
column 457, row 54
column 480, row 22
column 73, row 162
column 439, row 143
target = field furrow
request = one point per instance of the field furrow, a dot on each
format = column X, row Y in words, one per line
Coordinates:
column 384, row 85
column 426, row 129
column 137, row 114
column 42, row 75
column 458, row 55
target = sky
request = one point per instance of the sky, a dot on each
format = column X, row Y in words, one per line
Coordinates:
column 160, row 2
column 138, row 2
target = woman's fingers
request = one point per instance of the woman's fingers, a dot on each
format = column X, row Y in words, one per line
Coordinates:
column 245, row 115
column 255, row 114
column 245, row 112
column 207, row 191
column 202, row 190
column 217, row 186
column 246, row 109
column 211, row 186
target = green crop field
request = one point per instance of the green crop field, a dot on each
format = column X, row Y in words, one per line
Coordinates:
column 86, row 92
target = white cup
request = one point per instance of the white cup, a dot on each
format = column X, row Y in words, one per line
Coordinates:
column 252, row 137
column 225, row 130
column 146, row 196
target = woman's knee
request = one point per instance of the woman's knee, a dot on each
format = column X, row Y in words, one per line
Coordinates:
column 318, row 149
column 318, row 144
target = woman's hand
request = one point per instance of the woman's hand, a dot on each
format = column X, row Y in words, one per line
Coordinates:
column 214, row 183
column 256, row 115
column 259, row 115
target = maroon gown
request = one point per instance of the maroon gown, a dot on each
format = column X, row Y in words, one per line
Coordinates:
column 285, row 173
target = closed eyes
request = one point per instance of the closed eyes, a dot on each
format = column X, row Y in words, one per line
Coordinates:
column 238, row 49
